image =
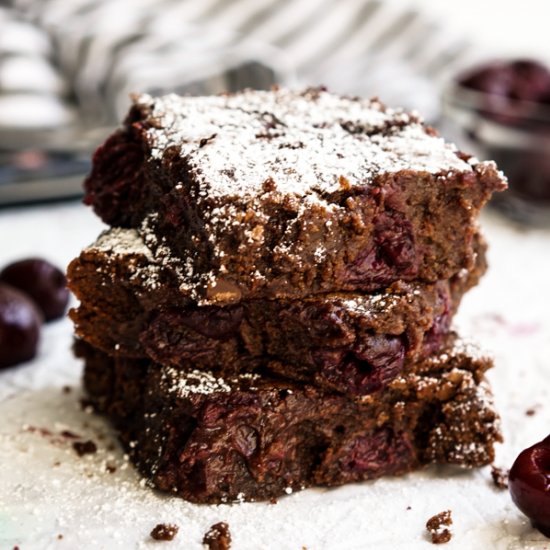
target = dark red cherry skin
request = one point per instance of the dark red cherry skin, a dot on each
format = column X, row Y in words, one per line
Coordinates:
column 42, row 281
column 529, row 484
column 20, row 322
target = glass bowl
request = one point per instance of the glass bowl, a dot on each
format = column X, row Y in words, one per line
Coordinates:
column 513, row 133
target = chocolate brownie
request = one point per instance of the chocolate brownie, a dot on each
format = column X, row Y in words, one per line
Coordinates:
column 349, row 342
column 249, row 437
column 284, row 194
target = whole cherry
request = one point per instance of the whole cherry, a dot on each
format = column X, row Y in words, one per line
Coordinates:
column 20, row 322
column 42, row 281
column 529, row 484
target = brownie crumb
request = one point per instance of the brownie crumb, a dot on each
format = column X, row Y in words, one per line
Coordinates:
column 530, row 412
column 500, row 477
column 60, row 537
column 437, row 527
column 69, row 435
column 204, row 141
column 66, row 389
column 111, row 468
column 85, row 447
column 218, row 537
column 164, row 531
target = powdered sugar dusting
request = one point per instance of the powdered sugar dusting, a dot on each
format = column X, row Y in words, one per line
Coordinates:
column 369, row 304
column 305, row 142
column 201, row 382
column 193, row 382
column 126, row 245
column 121, row 241
column 462, row 347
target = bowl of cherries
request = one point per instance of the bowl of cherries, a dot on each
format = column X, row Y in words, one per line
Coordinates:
column 32, row 291
column 502, row 109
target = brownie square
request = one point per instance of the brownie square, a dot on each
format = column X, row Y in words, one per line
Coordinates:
column 249, row 437
column 284, row 194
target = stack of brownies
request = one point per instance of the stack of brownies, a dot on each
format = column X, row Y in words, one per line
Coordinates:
column 271, row 307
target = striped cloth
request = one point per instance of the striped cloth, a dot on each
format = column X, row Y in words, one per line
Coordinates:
column 98, row 51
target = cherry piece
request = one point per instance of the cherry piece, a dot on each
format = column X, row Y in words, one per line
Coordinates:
column 523, row 79
column 20, row 322
column 42, row 281
column 115, row 184
column 529, row 483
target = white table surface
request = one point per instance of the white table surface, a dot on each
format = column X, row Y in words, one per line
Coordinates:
column 46, row 491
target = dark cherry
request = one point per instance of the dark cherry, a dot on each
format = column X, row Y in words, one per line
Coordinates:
column 529, row 484
column 442, row 322
column 383, row 451
column 116, row 180
column 180, row 334
column 523, row 79
column 219, row 323
column 42, row 281
column 366, row 370
column 394, row 249
column 514, row 91
column 20, row 322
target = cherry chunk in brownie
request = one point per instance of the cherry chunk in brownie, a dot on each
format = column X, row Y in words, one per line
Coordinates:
column 256, row 437
column 285, row 194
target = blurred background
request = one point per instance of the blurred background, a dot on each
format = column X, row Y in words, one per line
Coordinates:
column 67, row 68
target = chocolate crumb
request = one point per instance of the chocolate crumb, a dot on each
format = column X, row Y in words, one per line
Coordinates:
column 164, row 531
column 218, row 537
column 69, row 435
column 409, row 507
column 60, row 536
column 111, row 468
column 500, row 477
column 437, row 527
column 204, row 141
column 66, row 389
column 530, row 412
column 85, row 447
